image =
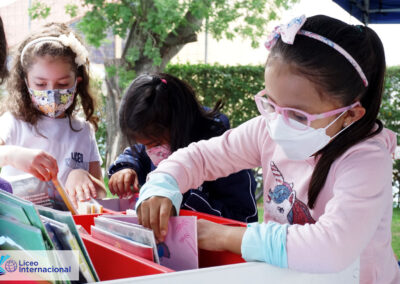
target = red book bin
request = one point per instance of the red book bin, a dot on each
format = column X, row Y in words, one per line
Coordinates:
column 114, row 263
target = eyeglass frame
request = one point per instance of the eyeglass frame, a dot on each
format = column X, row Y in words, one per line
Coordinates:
column 283, row 110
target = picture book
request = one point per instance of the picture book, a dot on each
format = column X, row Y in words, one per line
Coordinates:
column 7, row 243
column 68, row 242
column 28, row 237
column 13, row 211
column 32, row 189
column 179, row 250
column 30, row 212
column 133, row 232
column 65, row 217
column 128, row 245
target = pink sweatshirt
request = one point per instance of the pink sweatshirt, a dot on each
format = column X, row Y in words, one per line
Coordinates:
column 353, row 213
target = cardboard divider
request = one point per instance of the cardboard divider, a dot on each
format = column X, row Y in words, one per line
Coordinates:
column 112, row 262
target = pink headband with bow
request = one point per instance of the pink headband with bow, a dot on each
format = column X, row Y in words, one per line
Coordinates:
column 288, row 33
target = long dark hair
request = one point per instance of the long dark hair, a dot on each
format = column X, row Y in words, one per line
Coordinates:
column 161, row 106
column 332, row 73
column 3, row 53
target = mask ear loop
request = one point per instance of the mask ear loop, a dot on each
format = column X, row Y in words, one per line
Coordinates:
column 343, row 129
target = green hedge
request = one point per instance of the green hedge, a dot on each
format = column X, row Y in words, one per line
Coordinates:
column 235, row 85
column 390, row 116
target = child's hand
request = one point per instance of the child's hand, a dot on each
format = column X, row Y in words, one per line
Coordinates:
column 36, row 162
column 217, row 237
column 120, row 183
column 154, row 213
column 80, row 186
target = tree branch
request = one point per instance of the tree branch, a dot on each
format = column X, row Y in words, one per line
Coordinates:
column 185, row 32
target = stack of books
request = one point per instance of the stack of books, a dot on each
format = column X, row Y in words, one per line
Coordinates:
column 179, row 250
column 25, row 226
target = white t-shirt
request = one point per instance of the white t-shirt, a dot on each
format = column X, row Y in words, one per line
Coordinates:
column 72, row 150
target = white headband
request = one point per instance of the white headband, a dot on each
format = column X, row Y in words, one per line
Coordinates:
column 71, row 41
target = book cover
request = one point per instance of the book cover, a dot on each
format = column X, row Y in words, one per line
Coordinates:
column 131, row 231
column 30, row 188
column 123, row 243
column 68, row 242
column 7, row 243
column 65, row 217
column 13, row 211
column 30, row 212
column 179, row 251
column 28, row 237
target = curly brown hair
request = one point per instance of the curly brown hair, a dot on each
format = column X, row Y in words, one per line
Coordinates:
column 18, row 101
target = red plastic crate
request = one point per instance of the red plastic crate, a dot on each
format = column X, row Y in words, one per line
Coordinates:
column 212, row 218
column 114, row 263
column 215, row 258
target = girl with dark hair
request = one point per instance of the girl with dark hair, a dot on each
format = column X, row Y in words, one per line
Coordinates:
column 3, row 53
column 41, row 132
column 326, row 158
column 4, row 185
column 160, row 114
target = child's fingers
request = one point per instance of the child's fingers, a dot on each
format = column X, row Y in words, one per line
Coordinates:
column 37, row 174
column 136, row 186
column 165, row 211
column 154, row 220
column 43, row 172
column 79, row 193
column 74, row 201
column 118, row 184
column 145, row 215
column 72, row 197
column 48, row 162
column 92, row 189
column 129, row 179
column 111, row 185
column 139, row 215
column 86, row 191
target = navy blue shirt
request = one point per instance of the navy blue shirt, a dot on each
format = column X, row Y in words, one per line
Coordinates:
column 230, row 197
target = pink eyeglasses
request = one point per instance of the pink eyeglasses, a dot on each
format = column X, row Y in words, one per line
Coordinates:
column 295, row 118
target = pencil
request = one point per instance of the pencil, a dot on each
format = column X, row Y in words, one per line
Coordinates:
column 65, row 197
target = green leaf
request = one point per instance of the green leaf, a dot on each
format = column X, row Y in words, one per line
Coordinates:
column 71, row 10
column 39, row 10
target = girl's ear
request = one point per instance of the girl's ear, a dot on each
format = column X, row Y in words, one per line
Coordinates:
column 78, row 79
column 353, row 115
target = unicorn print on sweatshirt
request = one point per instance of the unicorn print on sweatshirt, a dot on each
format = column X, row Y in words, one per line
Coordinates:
column 281, row 203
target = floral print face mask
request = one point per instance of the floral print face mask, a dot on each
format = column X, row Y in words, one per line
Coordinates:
column 53, row 103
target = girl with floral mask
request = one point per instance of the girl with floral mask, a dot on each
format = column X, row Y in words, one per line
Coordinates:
column 160, row 114
column 326, row 158
column 41, row 133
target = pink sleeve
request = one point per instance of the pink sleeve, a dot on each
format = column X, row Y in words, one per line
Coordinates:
column 206, row 160
column 362, row 191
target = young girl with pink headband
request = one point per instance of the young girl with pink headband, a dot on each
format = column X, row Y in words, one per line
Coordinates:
column 326, row 158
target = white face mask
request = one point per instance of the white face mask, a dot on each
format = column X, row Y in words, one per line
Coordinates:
column 298, row 144
column 158, row 153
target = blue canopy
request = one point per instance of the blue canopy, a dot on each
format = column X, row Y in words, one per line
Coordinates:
column 373, row 11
